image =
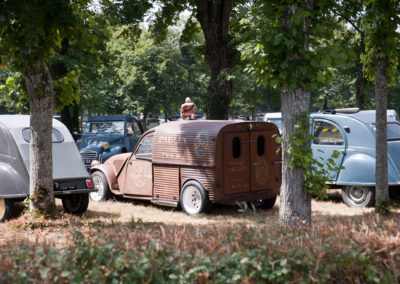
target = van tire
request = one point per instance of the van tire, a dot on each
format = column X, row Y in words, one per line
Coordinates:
column 358, row 196
column 76, row 204
column 262, row 203
column 6, row 206
column 103, row 190
column 194, row 199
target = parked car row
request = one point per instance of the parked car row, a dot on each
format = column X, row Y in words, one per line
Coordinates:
column 192, row 164
column 352, row 133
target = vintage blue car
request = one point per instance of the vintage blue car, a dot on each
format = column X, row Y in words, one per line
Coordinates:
column 352, row 134
column 108, row 135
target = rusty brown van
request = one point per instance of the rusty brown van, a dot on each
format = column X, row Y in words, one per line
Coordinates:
column 197, row 163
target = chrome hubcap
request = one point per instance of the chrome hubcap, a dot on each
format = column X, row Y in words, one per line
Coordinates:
column 358, row 194
column 98, row 184
column 192, row 200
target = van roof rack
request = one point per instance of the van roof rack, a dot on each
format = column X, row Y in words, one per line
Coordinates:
column 342, row 110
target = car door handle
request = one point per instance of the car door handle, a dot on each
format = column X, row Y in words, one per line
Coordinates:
column 130, row 163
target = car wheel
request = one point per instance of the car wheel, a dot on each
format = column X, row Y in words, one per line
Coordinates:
column 194, row 199
column 262, row 203
column 6, row 206
column 358, row 196
column 101, row 184
column 76, row 204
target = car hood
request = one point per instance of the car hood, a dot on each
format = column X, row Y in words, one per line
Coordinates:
column 95, row 142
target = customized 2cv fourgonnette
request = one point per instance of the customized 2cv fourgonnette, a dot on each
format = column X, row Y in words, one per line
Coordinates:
column 197, row 163
column 72, row 182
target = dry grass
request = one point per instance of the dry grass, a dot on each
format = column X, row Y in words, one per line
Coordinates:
column 126, row 212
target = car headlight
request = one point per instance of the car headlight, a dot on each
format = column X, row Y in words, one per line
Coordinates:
column 106, row 146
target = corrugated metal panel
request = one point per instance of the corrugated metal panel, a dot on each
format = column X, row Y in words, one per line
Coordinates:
column 203, row 175
column 166, row 183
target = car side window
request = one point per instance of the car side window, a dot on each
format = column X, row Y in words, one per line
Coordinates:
column 145, row 149
column 136, row 128
column 129, row 130
column 326, row 134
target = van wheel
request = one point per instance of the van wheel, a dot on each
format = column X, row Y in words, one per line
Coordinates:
column 262, row 203
column 194, row 199
column 76, row 204
column 358, row 196
column 6, row 206
column 101, row 184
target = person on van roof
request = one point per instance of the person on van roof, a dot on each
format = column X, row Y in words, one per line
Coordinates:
column 187, row 109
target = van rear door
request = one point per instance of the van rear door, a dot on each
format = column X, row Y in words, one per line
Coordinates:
column 236, row 162
column 264, row 161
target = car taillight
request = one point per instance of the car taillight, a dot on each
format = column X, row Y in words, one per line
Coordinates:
column 89, row 183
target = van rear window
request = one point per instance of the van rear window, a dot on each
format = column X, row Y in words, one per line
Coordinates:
column 57, row 136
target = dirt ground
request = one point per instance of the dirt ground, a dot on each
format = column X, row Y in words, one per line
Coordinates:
column 126, row 210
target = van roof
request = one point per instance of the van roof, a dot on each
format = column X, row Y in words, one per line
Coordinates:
column 110, row 117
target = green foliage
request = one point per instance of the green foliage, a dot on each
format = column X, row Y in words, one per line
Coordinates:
column 380, row 24
column 300, row 154
column 237, row 256
column 291, row 46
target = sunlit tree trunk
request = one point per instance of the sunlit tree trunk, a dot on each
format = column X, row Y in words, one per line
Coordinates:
column 295, row 206
column 381, row 90
column 41, row 95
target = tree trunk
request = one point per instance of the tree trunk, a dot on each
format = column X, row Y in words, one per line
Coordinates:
column 381, row 90
column 41, row 95
column 295, row 206
column 214, row 20
column 360, row 83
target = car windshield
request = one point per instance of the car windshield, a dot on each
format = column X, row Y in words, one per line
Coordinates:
column 393, row 130
column 104, row 127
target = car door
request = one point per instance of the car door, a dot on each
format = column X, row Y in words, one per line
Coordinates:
column 139, row 171
column 327, row 138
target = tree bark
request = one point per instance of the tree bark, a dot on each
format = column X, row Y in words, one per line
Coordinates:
column 381, row 90
column 214, row 20
column 41, row 95
column 295, row 206
column 360, row 83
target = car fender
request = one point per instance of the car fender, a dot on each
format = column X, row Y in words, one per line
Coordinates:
column 359, row 169
column 113, row 150
column 13, row 183
column 110, row 175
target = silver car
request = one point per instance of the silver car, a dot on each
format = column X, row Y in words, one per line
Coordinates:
column 71, row 181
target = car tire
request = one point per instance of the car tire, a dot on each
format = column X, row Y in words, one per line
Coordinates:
column 100, row 183
column 76, row 204
column 6, row 206
column 262, row 203
column 194, row 199
column 358, row 196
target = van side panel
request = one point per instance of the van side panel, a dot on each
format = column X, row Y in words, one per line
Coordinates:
column 203, row 175
column 166, row 183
